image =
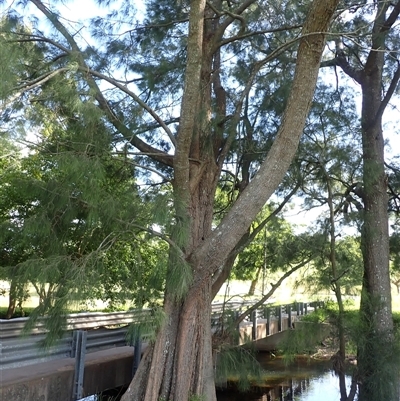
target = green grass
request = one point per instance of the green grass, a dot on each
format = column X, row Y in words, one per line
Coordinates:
column 238, row 289
column 18, row 313
column 351, row 314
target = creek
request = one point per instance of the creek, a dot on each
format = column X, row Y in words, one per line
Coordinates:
column 303, row 380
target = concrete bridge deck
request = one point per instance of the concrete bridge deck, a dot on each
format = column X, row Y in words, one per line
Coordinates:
column 53, row 380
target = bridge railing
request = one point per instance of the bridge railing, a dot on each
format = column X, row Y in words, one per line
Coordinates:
column 104, row 330
column 276, row 318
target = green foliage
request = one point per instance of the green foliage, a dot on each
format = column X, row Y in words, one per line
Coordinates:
column 179, row 277
column 238, row 365
column 146, row 325
column 379, row 356
column 131, row 272
column 318, row 316
column 321, row 324
column 396, row 320
column 196, row 398
column 303, row 340
column 72, row 218
column 18, row 313
column 349, row 265
column 275, row 248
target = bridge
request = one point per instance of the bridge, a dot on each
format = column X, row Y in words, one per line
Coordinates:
column 92, row 357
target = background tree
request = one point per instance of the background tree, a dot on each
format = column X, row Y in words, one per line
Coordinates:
column 65, row 210
column 395, row 260
column 13, row 250
column 394, row 212
column 376, row 71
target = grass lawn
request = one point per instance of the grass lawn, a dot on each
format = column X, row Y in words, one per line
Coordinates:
column 234, row 290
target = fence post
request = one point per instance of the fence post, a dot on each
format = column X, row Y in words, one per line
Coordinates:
column 254, row 320
column 78, row 352
column 237, row 314
column 237, row 328
column 289, row 312
column 279, row 319
column 306, row 308
column 267, row 315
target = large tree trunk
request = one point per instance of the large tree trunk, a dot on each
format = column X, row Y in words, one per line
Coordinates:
column 180, row 363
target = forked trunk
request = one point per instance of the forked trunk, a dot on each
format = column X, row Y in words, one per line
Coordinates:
column 180, row 363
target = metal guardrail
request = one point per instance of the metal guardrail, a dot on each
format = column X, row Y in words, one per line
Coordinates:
column 18, row 349
column 75, row 321
column 29, row 350
column 23, row 351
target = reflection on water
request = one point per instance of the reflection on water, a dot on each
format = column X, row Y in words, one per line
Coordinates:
column 326, row 386
column 303, row 380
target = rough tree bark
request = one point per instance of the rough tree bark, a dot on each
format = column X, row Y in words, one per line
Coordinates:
column 180, row 363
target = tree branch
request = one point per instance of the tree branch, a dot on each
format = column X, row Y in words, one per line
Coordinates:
column 392, row 18
column 136, row 98
column 389, row 94
column 32, row 84
column 103, row 104
column 270, row 292
column 220, row 277
column 255, row 33
column 341, row 61
column 222, row 27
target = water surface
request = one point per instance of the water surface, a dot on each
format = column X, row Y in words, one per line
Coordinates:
column 303, row 380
